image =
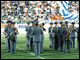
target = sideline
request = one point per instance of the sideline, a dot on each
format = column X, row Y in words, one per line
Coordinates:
column 26, row 51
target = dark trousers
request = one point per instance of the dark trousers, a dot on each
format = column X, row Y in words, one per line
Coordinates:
column 56, row 43
column 61, row 45
column 73, row 42
column 31, row 43
column 9, row 44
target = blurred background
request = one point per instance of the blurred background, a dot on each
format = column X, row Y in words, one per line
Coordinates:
column 45, row 11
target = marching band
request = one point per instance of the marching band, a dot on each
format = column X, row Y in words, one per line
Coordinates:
column 60, row 38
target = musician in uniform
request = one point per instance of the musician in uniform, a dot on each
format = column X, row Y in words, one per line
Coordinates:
column 13, row 38
column 7, row 33
column 55, row 31
column 72, row 35
column 42, row 36
column 77, row 30
column 31, row 36
column 37, row 31
column 27, row 34
column 66, row 36
column 60, row 36
column 51, row 42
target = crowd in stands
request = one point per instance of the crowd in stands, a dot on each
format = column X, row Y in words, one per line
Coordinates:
column 22, row 11
column 73, row 6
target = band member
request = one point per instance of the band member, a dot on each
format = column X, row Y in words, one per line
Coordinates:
column 42, row 37
column 51, row 42
column 66, row 35
column 77, row 30
column 72, row 35
column 31, row 36
column 60, row 36
column 7, row 33
column 55, row 31
column 27, row 34
column 37, row 31
column 13, row 39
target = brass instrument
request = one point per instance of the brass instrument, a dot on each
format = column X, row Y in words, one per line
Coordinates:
column 68, row 34
column 51, row 33
column 51, row 30
column 33, row 29
column 43, row 27
column 74, row 30
column 12, row 34
column 15, row 30
column 43, row 24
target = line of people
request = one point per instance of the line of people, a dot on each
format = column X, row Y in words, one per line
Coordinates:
column 63, row 37
column 60, row 38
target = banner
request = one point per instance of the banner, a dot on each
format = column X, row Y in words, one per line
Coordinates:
column 21, row 28
column 65, row 12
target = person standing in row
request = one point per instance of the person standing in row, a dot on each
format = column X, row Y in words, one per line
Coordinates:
column 60, row 36
column 51, row 42
column 42, row 37
column 72, row 35
column 37, row 31
column 27, row 34
column 13, row 38
column 77, row 30
column 31, row 36
column 55, row 31
column 7, row 34
column 66, row 37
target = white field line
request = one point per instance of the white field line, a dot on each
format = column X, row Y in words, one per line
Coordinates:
column 26, row 51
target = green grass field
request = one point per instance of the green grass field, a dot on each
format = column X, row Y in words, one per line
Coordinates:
column 48, row 53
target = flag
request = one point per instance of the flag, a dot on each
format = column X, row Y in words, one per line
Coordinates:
column 65, row 13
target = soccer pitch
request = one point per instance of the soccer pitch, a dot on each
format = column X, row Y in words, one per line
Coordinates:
column 48, row 53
